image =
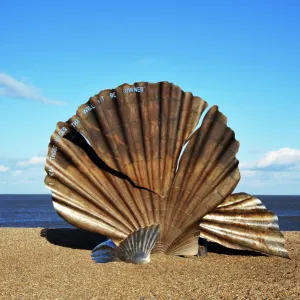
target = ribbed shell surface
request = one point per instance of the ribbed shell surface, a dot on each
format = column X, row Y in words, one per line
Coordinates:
column 89, row 195
column 140, row 129
column 206, row 176
column 112, row 169
column 243, row 222
column 136, row 248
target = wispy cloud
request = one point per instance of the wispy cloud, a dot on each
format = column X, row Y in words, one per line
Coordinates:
column 3, row 168
column 17, row 172
column 13, row 88
column 36, row 160
column 277, row 160
column 275, row 168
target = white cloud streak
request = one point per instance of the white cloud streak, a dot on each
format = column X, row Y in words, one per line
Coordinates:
column 276, row 168
column 36, row 160
column 3, row 168
column 17, row 172
column 282, row 159
column 13, row 88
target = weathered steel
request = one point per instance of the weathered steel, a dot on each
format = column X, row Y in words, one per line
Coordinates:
column 207, row 174
column 136, row 248
column 243, row 222
column 112, row 170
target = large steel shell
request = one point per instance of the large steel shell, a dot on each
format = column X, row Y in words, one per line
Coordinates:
column 113, row 169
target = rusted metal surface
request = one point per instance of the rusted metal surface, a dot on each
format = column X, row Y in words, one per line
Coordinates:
column 112, row 166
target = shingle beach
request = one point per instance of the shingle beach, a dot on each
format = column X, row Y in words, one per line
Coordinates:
column 32, row 267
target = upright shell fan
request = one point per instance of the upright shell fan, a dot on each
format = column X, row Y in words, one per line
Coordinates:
column 113, row 169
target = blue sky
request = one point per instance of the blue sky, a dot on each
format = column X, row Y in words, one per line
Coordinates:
column 243, row 56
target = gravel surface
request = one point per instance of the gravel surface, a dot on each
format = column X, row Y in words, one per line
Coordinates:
column 36, row 267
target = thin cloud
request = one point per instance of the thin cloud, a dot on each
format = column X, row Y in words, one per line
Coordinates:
column 282, row 159
column 36, row 160
column 13, row 88
column 275, row 168
column 3, row 168
column 17, row 172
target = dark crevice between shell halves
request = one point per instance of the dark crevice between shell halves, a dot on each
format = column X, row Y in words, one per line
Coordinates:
column 76, row 138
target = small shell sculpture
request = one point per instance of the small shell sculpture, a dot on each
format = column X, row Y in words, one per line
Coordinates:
column 131, row 165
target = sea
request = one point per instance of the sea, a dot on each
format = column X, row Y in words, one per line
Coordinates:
column 37, row 211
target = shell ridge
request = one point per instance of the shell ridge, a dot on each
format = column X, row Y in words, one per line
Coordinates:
column 176, row 200
column 103, row 122
column 128, row 132
column 249, row 242
column 148, row 242
column 202, row 107
column 234, row 201
column 105, row 214
column 201, row 138
column 160, row 133
column 143, row 166
column 144, row 117
column 186, row 243
column 173, row 149
column 239, row 223
column 167, row 118
column 143, row 131
column 72, row 184
column 135, row 253
column 116, row 107
column 212, row 114
column 153, row 239
column 206, row 200
column 123, row 175
column 114, row 183
column 91, row 215
column 72, row 218
column 208, row 169
column 153, row 104
column 83, row 189
column 251, row 231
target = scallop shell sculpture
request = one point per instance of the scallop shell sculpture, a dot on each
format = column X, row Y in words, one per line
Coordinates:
column 115, row 168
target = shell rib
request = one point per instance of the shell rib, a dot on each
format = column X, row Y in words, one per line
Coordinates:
column 243, row 222
column 207, row 174
column 139, row 130
column 136, row 248
column 89, row 195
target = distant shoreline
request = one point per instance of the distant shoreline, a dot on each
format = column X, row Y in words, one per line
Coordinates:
column 36, row 210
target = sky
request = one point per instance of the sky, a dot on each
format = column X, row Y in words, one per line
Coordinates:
column 243, row 56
